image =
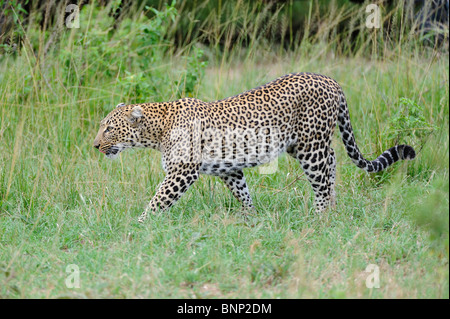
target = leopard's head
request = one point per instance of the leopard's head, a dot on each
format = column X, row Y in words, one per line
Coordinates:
column 119, row 130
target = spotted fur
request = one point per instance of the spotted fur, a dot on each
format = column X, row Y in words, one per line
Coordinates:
column 295, row 113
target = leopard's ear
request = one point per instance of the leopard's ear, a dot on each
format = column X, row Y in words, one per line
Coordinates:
column 120, row 104
column 136, row 112
column 134, row 117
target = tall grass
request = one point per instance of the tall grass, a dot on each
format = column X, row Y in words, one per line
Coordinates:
column 62, row 203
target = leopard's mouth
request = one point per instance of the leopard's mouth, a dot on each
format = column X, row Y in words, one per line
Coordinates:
column 112, row 152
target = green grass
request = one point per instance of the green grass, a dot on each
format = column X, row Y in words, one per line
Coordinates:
column 63, row 203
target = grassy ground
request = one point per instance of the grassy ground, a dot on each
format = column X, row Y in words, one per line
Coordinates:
column 62, row 203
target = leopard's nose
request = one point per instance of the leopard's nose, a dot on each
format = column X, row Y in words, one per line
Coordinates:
column 97, row 146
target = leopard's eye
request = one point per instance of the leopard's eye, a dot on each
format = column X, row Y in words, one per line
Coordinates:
column 108, row 129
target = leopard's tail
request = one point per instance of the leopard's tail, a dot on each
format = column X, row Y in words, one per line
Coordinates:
column 389, row 157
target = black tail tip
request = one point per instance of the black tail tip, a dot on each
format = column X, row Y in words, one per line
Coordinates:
column 408, row 152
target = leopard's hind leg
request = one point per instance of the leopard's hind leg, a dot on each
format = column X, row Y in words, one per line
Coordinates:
column 235, row 181
column 320, row 169
column 332, row 178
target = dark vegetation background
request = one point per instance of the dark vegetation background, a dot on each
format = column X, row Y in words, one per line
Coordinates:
column 282, row 21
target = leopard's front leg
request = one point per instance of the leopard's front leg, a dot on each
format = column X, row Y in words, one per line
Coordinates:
column 178, row 179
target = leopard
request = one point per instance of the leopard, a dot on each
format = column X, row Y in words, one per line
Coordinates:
column 294, row 114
